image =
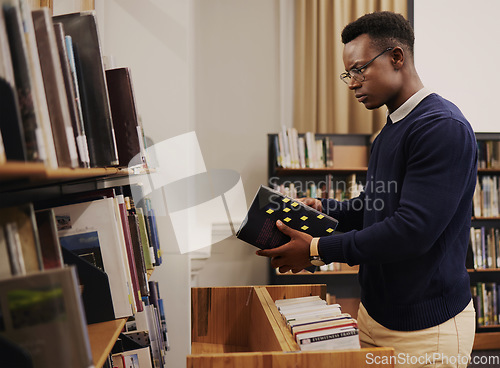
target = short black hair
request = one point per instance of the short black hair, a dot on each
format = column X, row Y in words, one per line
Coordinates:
column 385, row 28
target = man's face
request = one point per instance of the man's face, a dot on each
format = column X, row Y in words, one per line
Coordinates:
column 379, row 86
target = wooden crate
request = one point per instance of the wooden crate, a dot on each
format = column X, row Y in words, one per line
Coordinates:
column 241, row 327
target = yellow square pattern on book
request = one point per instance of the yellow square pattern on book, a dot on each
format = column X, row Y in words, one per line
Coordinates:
column 287, row 219
column 269, row 211
column 320, row 216
column 303, row 218
column 286, row 200
column 295, row 204
column 305, row 227
column 286, row 209
column 329, row 230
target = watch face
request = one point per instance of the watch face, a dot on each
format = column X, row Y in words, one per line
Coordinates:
column 316, row 261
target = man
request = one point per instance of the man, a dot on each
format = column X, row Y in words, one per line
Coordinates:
column 409, row 229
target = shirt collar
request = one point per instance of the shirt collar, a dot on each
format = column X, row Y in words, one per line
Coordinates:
column 403, row 110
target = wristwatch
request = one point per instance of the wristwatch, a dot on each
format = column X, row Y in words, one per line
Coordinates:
column 314, row 254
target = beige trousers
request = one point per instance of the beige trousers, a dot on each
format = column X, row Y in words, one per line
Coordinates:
column 446, row 345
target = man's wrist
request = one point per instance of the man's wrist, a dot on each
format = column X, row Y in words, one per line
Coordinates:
column 314, row 256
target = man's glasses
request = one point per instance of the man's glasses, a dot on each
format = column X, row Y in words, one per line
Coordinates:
column 357, row 73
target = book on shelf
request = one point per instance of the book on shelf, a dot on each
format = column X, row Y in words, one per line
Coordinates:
column 259, row 227
column 486, row 194
column 485, row 296
column 14, row 146
column 42, row 313
column 99, row 221
column 94, row 99
column 72, row 96
column 49, row 240
column 22, row 238
column 128, row 134
column 26, row 89
column 485, row 245
column 489, row 154
column 55, row 89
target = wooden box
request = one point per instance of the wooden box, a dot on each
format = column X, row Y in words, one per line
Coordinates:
column 241, row 327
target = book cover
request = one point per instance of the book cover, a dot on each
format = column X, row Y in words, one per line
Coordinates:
column 49, row 241
column 10, row 124
column 72, row 87
column 124, row 113
column 42, row 312
column 45, row 137
column 55, row 90
column 101, row 216
column 138, row 253
column 16, row 258
column 23, row 80
column 5, row 270
column 24, row 218
column 97, row 118
column 259, row 227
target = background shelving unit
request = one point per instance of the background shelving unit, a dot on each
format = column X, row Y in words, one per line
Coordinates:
column 343, row 284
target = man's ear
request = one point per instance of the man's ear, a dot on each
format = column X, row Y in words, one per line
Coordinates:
column 397, row 57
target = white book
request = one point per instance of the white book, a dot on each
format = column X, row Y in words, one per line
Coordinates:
column 5, row 270
column 101, row 216
column 327, row 310
column 302, row 152
column 281, row 302
column 294, row 308
column 333, row 339
column 58, row 337
column 287, row 163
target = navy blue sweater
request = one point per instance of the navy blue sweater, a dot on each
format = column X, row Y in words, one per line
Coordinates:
column 410, row 227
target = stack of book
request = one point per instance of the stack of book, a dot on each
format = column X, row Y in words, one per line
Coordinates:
column 58, row 104
column 485, row 200
column 485, row 245
column 485, row 296
column 489, row 154
column 315, row 325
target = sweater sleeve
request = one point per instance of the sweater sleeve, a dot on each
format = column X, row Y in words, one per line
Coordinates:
column 440, row 177
column 349, row 213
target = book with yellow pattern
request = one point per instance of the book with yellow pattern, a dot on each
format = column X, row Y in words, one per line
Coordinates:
column 259, row 227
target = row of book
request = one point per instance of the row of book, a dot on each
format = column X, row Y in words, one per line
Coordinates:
column 58, row 104
column 485, row 296
column 110, row 244
column 316, row 325
column 302, row 152
column 144, row 341
column 339, row 190
column 486, row 195
column 485, row 245
column 489, row 154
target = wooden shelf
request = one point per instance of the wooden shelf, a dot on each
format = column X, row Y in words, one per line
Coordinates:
column 322, row 171
column 102, row 338
column 38, row 171
column 318, row 273
column 487, row 341
column 485, row 218
column 483, row 270
column 490, row 170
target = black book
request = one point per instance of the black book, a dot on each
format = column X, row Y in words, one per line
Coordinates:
column 259, row 227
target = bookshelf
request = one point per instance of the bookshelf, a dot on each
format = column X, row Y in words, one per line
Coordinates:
column 343, row 283
column 35, row 178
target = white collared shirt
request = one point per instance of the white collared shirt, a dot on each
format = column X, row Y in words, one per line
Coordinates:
column 403, row 110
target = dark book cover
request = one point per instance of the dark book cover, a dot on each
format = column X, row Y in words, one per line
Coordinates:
column 49, row 240
column 55, row 90
column 23, row 81
column 124, row 113
column 93, row 90
column 259, row 227
column 138, row 253
column 75, row 109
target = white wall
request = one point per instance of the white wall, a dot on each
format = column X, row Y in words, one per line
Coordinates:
column 456, row 52
column 211, row 66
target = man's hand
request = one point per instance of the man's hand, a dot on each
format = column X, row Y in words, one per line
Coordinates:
column 293, row 255
column 311, row 202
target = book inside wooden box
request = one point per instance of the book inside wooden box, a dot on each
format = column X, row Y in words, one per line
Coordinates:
column 241, row 327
